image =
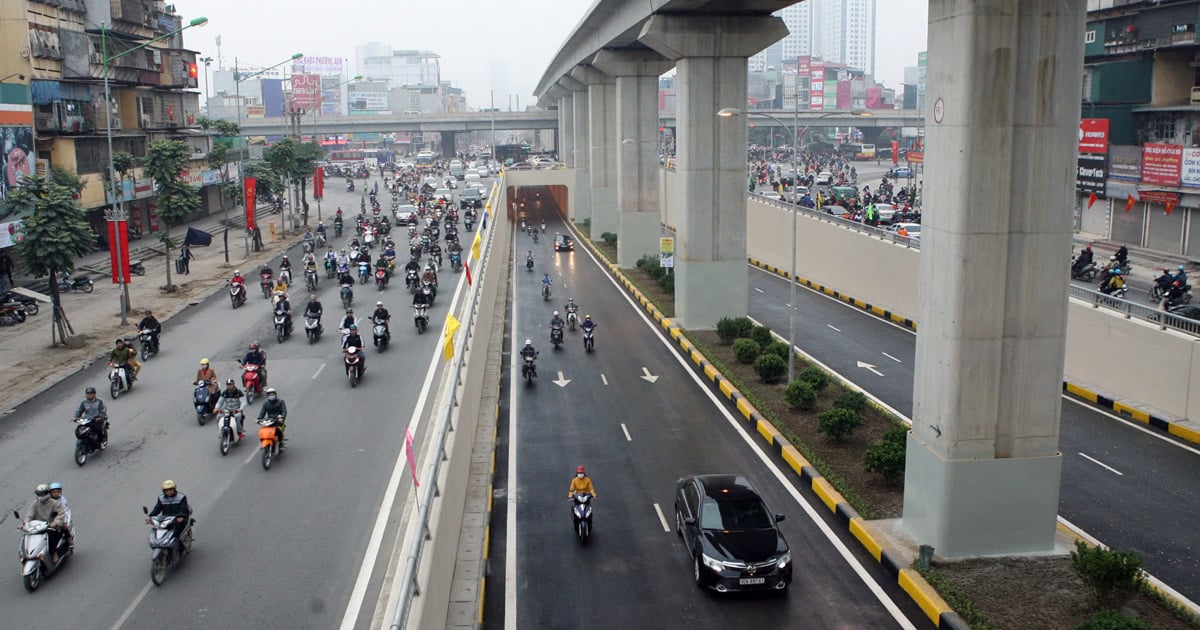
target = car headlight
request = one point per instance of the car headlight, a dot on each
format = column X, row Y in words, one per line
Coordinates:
column 784, row 560
column 712, row 563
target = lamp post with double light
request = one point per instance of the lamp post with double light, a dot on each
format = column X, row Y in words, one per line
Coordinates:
column 797, row 136
column 116, row 211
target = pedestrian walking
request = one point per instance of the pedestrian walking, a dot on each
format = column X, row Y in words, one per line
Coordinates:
column 185, row 259
column 6, row 269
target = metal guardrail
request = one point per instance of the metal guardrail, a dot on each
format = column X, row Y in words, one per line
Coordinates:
column 410, row 588
column 1134, row 310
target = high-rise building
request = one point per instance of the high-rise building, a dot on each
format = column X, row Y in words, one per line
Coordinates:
column 799, row 42
column 401, row 68
column 847, row 33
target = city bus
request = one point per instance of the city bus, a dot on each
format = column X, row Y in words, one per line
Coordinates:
column 424, row 158
column 867, row 152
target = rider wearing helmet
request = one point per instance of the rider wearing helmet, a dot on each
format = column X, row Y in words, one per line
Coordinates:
column 56, row 494
column 1115, row 281
column 556, row 322
column 209, row 376
column 172, row 502
column 353, row 338
column 93, row 408
column 231, row 396
column 125, row 357
column 275, row 407
column 529, row 352
column 46, row 510
column 581, row 483
column 588, row 325
column 256, row 356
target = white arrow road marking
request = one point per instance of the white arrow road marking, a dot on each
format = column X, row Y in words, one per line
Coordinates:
column 647, row 376
column 662, row 519
column 892, row 358
column 561, row 382
column 1101, row 464
column 869, row 368
column 834, row 327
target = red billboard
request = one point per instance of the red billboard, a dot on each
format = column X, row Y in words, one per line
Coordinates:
column 306, row 91
column 118, row 242
column 816, row 94
column 318, row 183
column 1162, row 163
column 1093, row 135
column 250, row 183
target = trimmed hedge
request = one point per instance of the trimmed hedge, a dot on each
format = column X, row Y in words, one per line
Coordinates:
column 800, row 395
column 746, row 350
column 770, row 368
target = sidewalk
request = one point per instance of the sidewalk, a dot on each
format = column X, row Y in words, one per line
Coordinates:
column 28, row 364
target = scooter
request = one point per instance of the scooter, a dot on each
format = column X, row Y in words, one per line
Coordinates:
column 410, row 280
column 283, row 326
column 251, row 380
column 35, row 554
column 556, row 337
column 166, row 549
column 11, row 314
column 149, row 344
column 119, row 380
column 237, row 294
column 589, row 341
column 329, row 268
column 347, row 295
column 354, row 366
column 310, row 279
column 456, row 261
column 529, row 370
column 364, row 271
column 312, row 328
column 545, row 292
column 266, row 283
column 430, row 292
column 572, row 319
column 68, row 284
column 87, row 438
column 381, row 333
column 381, row 278
column 229, row 426
column 200, row 399
column 421, row 318
column 270, row 440
column 337, row 230
column 581, row 516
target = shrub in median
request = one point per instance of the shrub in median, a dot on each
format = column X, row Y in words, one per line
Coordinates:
column 777, row 348
column 744, row 325
column 854, row 401
column 886, row 456
column 609, row 239
column 728, row 329
column 770, row 368
column 762, row 335
column 815, row 376
column 667, row 283
column 746, row 350
column 1112, row 575
column 838, row 423
column 1109, row 619
column 800, row 395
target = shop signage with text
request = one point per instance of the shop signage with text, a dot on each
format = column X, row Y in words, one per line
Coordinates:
column 1161, row 163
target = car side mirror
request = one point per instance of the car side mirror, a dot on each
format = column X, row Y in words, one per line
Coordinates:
column 779, row 517
column 145, row 511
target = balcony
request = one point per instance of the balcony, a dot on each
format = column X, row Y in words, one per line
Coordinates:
column 1125, row 43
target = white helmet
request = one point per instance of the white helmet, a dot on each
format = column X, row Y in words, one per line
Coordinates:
column 556, row 313
column 529, row 342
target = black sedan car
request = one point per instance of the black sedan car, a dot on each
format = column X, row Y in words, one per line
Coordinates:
column 563, row 243
column 732, row 537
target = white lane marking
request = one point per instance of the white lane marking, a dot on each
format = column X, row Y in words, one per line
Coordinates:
column 1133, row 424
column 510, row 517
column 132, row 606
column 662, row 519
column 759, row 290
column 870, row 368
column 834, row 327
column 892, row 357
column 784, row 481
column 399, row 469
column 604, row 378
column 254, row 452
column 625, row 430
column 1101, row 464
column 318, row 372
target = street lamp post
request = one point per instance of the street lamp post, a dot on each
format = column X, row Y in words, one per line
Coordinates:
column 117, row 211
column 796, row 136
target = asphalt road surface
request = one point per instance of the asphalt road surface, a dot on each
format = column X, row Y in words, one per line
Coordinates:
column 1129, row 486
column 282, row 547
column 637, row 437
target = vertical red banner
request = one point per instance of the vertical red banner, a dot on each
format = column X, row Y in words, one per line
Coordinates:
column 118, row 242
column 249, row 185
column 895, row 152
column 318, row 183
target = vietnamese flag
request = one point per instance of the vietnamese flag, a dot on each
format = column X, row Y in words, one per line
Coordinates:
column 1092, row 199
column 467, row 268
column 1168, row 207
column 1129, row 203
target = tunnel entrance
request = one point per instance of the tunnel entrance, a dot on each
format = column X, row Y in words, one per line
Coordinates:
column 537, row 203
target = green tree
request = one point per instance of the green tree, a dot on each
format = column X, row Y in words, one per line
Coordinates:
column 307, row 156
column 123, row 164
column 218, row 160
column 268, row 182
column 165, row 160
column 67, row 179
column 55, row 235
column 282, row 158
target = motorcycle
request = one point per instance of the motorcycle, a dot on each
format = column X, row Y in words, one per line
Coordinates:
column 535, row 236
column 68, row 284
column 308, row 246
column 28, row 304
column 312, row 328
column 354, row 368
column 119, row 380
column 270, row 440
column 581, row 516
column 166, row 548
column 529, row 263
column 364, row 271
column 228, row 427
column 430, row 292
column 572, row 319
column 237, row 294
column 556, row 337
column 266, row 282
column 347, row 295
column 200, row 398
column 529, row 370
column 589, row 341
column 329, row 268
column 381, row 334
column 285, row 276
column 469, row 224
column 456, row 261
column 381, row 278
column 35, row 553
column 251, row 380
column 11, row 314
column 310, row 279
column 545, row 292
column 421, row 318
column 149, row 343
column 283, row 326
column 1087, row 273
column 87, row 438
column 337, row 229
column 410, row 280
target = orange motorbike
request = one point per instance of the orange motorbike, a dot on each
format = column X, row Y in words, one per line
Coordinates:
column 270, row 436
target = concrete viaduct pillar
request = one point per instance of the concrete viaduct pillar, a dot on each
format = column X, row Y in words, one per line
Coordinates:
column 449, row 144
column 601, row 147
column 582, row 208
column 983, row 467
column 566, row 126
column 638, row 171
column 710, row 253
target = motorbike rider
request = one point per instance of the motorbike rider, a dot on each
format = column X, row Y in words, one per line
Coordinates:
column 237, row 278
column 556, row 323
column 385, row 265
column 314, row 309
column 353, row 338
column 275, row 407
column 347, row 321
column 581, row 483
column 230, row 393
column 343, row 258
column 209, row 376
column 529, row 352
column 47, row 510
column 429, row 277
column 588, row 325
column 172, row 502
column 321, row 229
column 309, row 238
column 284, row 307
column 331, row 256
column 1114, row 282
column 309, row 260
column 382, row 314
column 92, row 407
column 420, row 299
column 1122, row 256
column 125, row 357
column 546, row 281
column 285, row 265
column 1173, row 294
column 1180, row 275
column 1084, row 259
column 149, row 323
column 64, row 509
column 256, row 356
column 571, row 307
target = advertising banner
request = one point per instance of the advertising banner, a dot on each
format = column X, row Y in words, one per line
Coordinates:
column 306, row 91
column 1125, row 162
column 250, row 202
column 118, row 242
column 1190, row 172
column 816, row 88
column 317, row 65
column 11, row 234
column 803, row 77
column 895, row 152
column 1161, row 163
column 318, row 183
column 843, row 94
column 18, row 161
column 1093, row 135
column 1090, row 177
column 666, row 252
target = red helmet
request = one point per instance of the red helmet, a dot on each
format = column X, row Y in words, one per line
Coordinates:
column 580, row 469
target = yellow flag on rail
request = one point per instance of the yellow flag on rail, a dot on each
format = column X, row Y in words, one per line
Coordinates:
column 475, row 246
column 452, row 326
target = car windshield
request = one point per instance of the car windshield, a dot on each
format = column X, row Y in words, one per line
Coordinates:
column 734, row 515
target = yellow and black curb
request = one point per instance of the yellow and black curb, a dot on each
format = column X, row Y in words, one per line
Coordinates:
column 1122, row 409
column 924, row 595
column 487, row 516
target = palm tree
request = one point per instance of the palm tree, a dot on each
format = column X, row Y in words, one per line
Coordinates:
column 165, row 160
column 55, row 234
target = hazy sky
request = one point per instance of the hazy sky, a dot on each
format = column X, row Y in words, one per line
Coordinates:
column 484, row 45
